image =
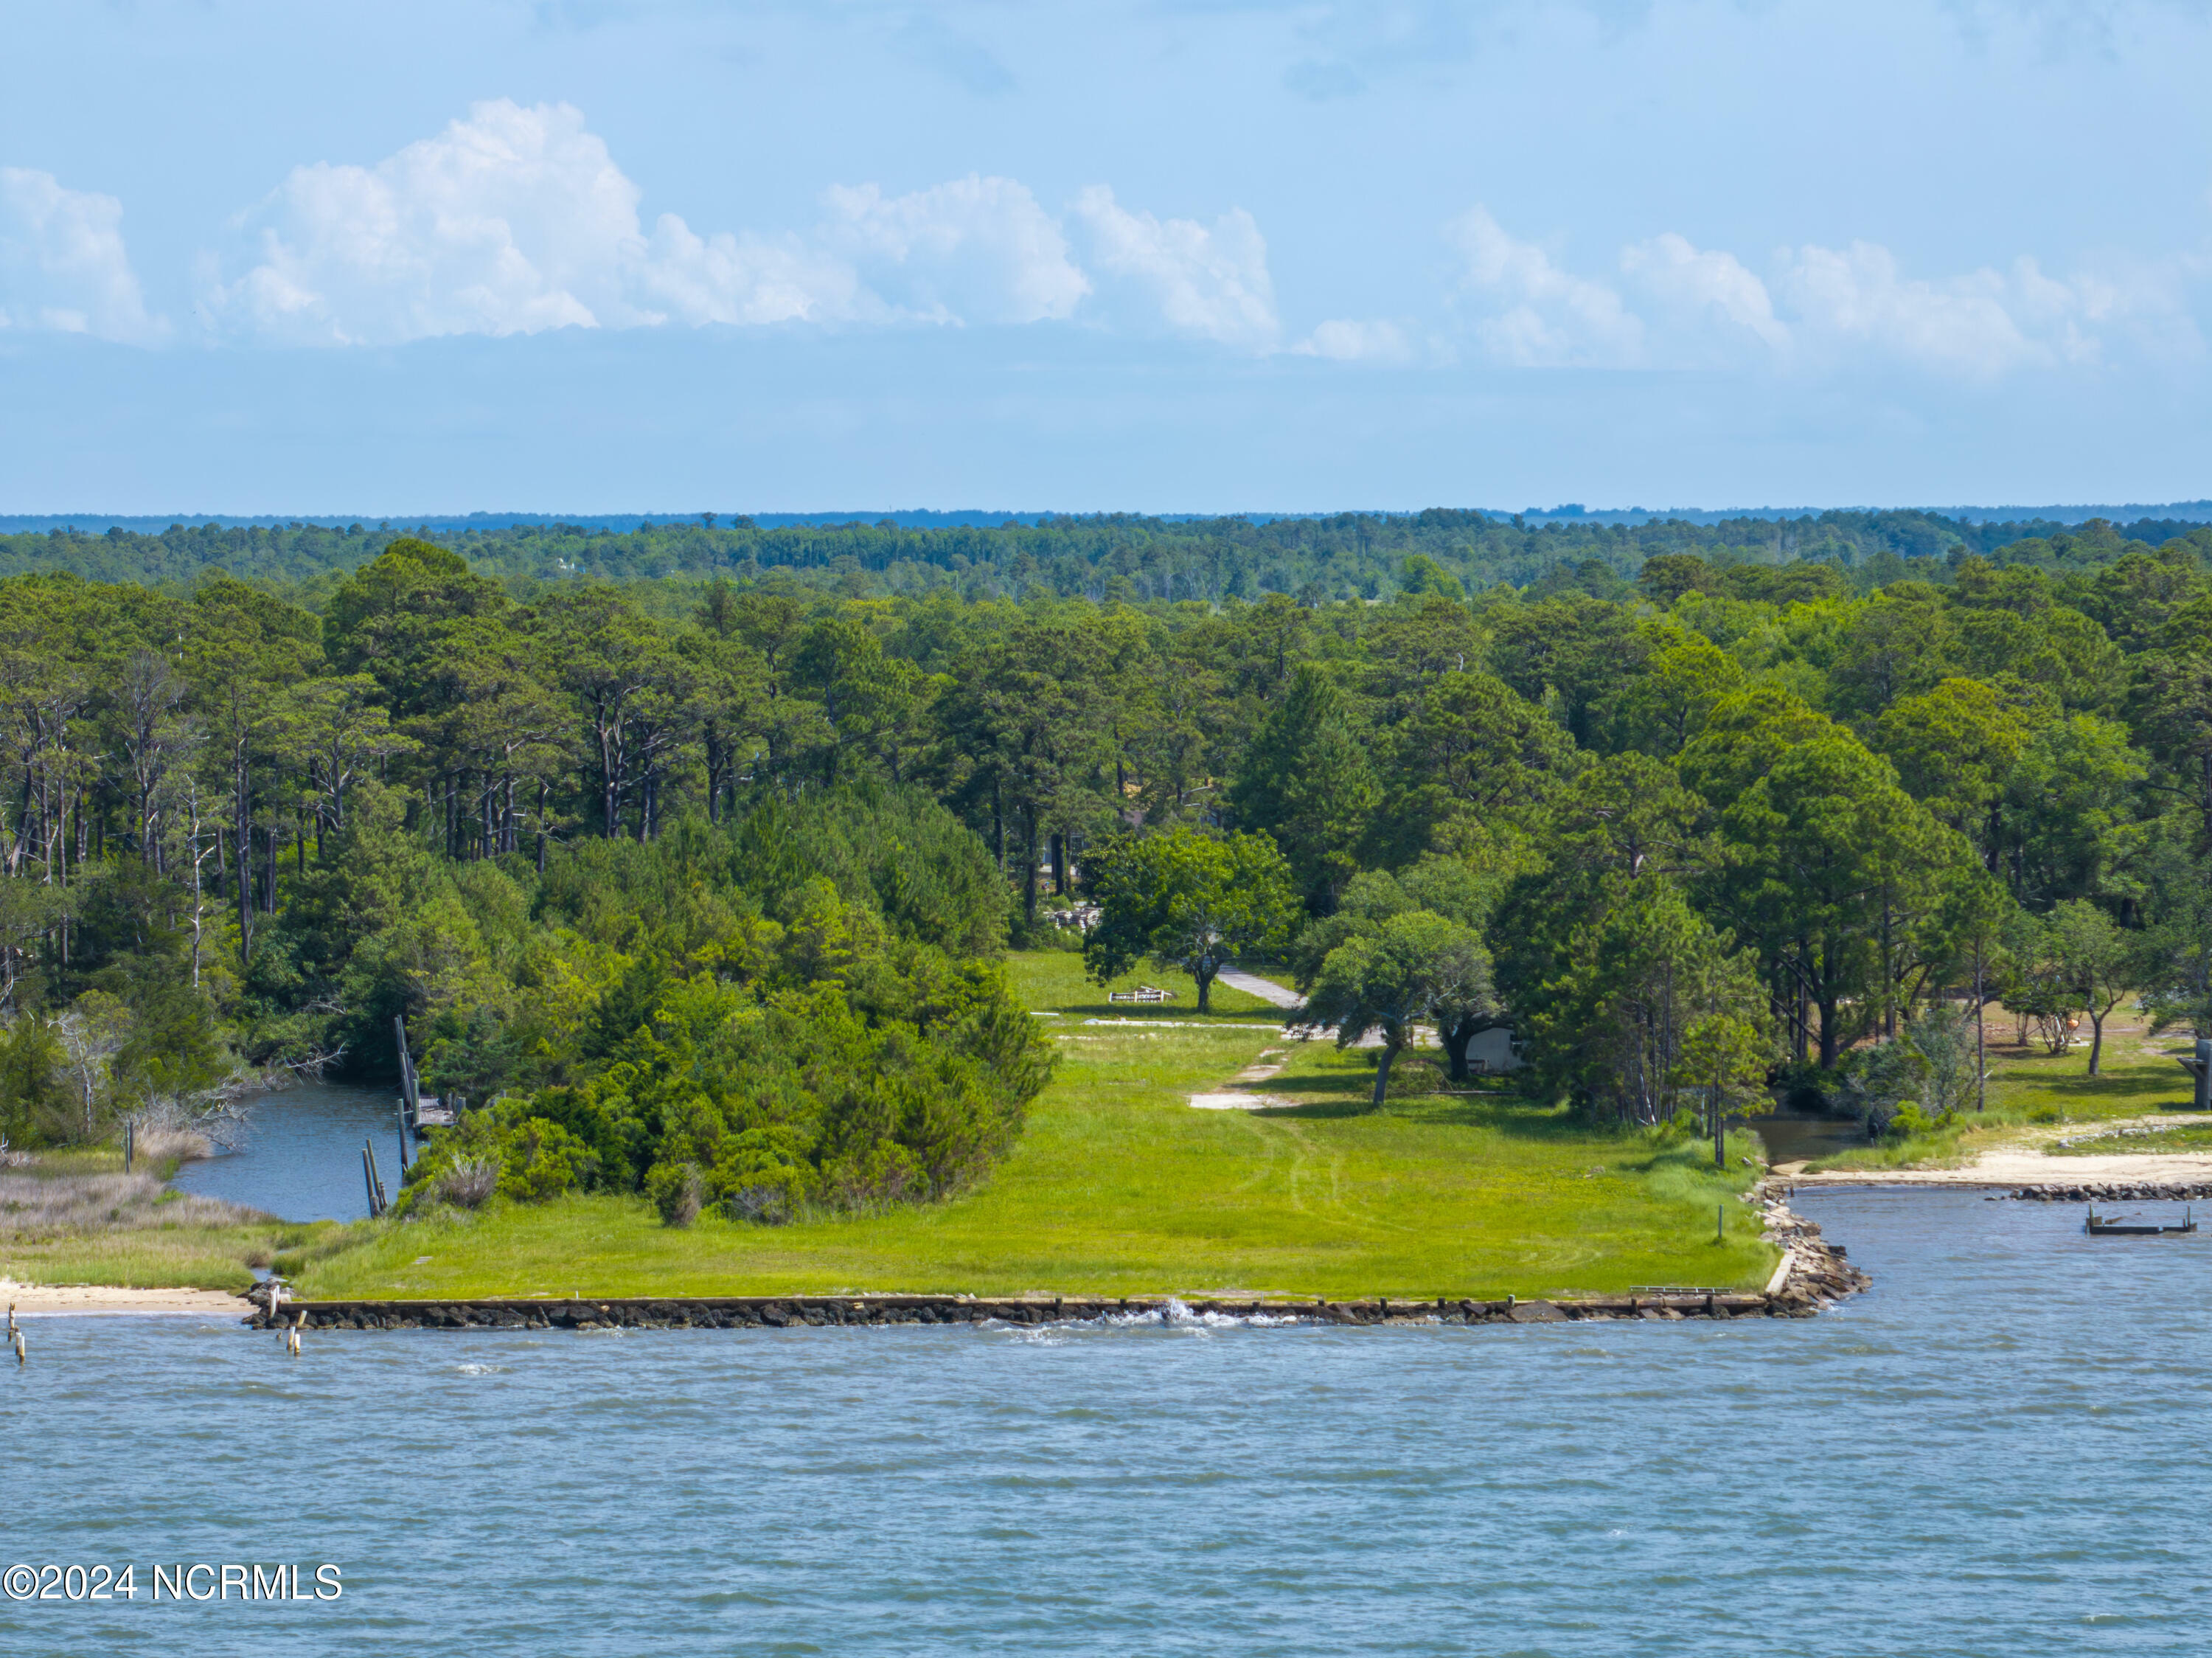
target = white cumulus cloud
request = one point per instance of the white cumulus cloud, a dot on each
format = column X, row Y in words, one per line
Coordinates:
column 515, row 220
column 1210, row 281
column 1529, row 312
column 62, row 265
column 1703, row 287
column 974, row 249
column 1858, row 296
column 1821, row 311
column 511, row 221
column 1858, row 301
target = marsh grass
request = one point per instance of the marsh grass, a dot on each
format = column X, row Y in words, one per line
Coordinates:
column 75, row 1217
column 35, row 1204
column 1120, row 1187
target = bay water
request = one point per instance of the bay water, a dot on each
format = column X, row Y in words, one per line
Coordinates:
column 2000, row 1450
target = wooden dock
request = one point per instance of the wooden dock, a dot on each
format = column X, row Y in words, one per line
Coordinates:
column 437, row 1111
column 2106, row 1226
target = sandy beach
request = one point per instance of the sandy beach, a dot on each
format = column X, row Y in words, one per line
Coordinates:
column 40, row 1301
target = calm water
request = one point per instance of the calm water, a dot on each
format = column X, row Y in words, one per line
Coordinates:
column 301, row 1155
column 2000, row 1451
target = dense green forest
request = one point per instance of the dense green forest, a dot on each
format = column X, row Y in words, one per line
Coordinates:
column 1118, row 558
column 696, row 845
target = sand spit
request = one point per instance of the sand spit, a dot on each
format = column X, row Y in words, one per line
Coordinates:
column 42, row 1301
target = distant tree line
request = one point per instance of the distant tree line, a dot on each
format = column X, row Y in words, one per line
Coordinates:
column 1107, row 558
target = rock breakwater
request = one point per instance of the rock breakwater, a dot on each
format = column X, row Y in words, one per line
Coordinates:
column 2113, row 1191
column 1814, row 1272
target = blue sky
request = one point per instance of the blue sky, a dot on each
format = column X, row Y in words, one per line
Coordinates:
column 1213, row 254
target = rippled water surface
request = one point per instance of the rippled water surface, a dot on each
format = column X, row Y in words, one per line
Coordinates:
column 2002, row 1450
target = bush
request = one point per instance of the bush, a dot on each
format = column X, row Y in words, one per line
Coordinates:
column 1911, row 1121
column 543, row 1160
column 763, row 1175
column 467, row 1182
column 527, row 1161
column 678, row 1191
column 793, row 1008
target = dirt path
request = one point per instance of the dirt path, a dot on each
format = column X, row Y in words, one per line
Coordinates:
column 1269, row 1064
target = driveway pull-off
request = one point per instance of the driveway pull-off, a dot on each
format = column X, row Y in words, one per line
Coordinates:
column 1265, row 989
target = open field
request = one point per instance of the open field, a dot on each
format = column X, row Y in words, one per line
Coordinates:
column 1119, row 1186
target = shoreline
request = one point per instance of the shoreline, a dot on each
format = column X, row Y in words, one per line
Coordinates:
column 2013, row 1169
column 1812, row 1275
column 35, row 1301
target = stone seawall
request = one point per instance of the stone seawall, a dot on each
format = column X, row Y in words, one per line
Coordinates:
column 1814, row 1271
column 1812, row 1274
column 787, row 1311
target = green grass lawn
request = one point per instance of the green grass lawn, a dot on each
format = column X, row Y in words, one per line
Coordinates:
column 1118, row 1186
column 2193, row 1139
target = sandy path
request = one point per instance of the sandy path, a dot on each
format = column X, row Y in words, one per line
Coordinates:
column 36, row 1301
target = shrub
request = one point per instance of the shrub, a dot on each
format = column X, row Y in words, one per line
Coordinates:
column 543, row 1160
column 467, row 1182
column 1911, row 1121
column 1809, row 1091
column 792, row 1008
column 529, row 1161
column 678, row 1191
column 763, row 1175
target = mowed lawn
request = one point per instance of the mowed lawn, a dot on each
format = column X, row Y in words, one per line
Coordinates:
column 1120, row 1187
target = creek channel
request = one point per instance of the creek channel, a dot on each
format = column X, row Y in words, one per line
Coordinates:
column 1793, row 1139
column 299, row 1157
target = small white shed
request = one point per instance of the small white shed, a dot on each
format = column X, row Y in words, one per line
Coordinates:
column 1492, row 1051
